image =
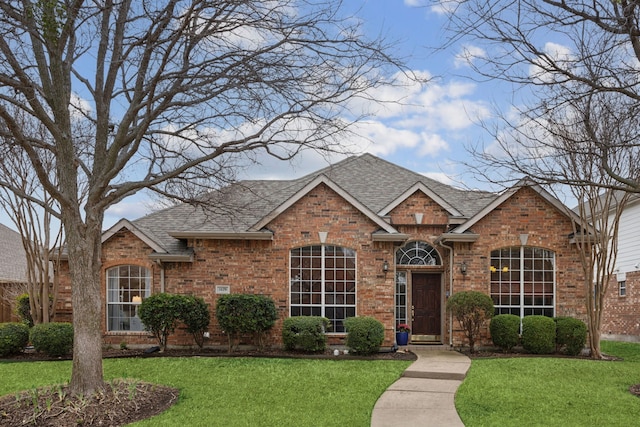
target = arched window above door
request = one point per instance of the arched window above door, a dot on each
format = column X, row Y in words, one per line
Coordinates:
column 417, row 253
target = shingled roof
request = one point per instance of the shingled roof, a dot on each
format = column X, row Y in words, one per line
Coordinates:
column 372, row 182
column 13, row 260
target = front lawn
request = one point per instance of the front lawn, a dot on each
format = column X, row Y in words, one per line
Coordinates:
column 240, row 391
column 542, row 391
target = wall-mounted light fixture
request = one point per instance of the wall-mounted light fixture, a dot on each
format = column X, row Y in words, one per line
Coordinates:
column 463, row 268
column 385, row 266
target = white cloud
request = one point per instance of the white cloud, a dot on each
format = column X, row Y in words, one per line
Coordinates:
column 557, row 53
column 132, row 208
column 445, row 7
column 415, row 3
column 78, row 106
column 467, row 55
column 432, row 145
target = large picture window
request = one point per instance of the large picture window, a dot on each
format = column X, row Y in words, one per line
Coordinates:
column 523, row 281
column 323, row 283
column 127, row 286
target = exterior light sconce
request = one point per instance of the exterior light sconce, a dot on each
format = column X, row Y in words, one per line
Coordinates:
column 385, row 266
column 463, row 268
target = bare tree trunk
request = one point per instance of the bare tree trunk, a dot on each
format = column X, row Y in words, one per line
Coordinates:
column 84, row 264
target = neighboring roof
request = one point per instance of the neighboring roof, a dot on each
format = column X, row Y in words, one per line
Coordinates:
column 13, row 259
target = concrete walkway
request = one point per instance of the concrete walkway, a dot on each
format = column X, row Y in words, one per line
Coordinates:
column 424, row 395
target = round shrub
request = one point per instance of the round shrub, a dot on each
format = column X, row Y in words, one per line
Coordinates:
column 505, row 331
column 571, row 335
column 364, row 334
column 53, row 339
column 471, row 309
column 195, row 316
column 539, row 334
column 13, row 338
column 242, row 314
column 306, row 333
column 160, row 314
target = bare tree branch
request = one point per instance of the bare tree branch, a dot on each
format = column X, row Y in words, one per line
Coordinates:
column 169, row 96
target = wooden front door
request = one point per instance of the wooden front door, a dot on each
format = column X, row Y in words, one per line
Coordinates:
column 426, row 303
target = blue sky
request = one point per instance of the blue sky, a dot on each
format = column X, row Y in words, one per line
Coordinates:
column 429, row 133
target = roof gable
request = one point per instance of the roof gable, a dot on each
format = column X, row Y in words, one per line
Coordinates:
column 123, row 223
column 544, row 194
column 419, row 186
column 322, row 179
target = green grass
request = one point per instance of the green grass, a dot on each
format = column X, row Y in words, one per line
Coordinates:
column 240, row 391
column 552, row 391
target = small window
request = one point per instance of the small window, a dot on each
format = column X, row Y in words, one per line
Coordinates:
column 622, row 288
column 417, row 253
column 127, row 286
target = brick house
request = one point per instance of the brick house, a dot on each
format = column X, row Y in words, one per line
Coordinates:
column 362, row 237
column 621, row 317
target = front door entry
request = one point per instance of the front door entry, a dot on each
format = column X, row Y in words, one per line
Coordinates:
column 426, row 307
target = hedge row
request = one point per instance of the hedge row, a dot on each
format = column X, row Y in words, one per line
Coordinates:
column 307, row 333
column 540, row 334
column 53, row 339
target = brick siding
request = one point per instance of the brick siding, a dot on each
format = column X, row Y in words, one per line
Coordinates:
column 262, row 267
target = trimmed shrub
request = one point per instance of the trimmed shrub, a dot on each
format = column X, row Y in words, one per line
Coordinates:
column 246, row 314
column 571, row 335
column 306, row 333
column 195, row 315
column 53, row 339
column 23, row 309
column 364, row 334
column 539, row 334
column 505, row 331
column 160, row 314
column 472, row 309
column 13, row 338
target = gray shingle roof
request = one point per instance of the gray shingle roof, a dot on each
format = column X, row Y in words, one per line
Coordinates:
column 13, row 260
column 372, row 181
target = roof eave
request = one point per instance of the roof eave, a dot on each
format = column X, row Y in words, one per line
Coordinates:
column 458, row 237
column 389, row 237
column 171, row 257
column 208, row 235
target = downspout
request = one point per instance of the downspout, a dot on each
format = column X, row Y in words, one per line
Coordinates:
column 450, row 248
column 159, row 263
column 162, row 278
